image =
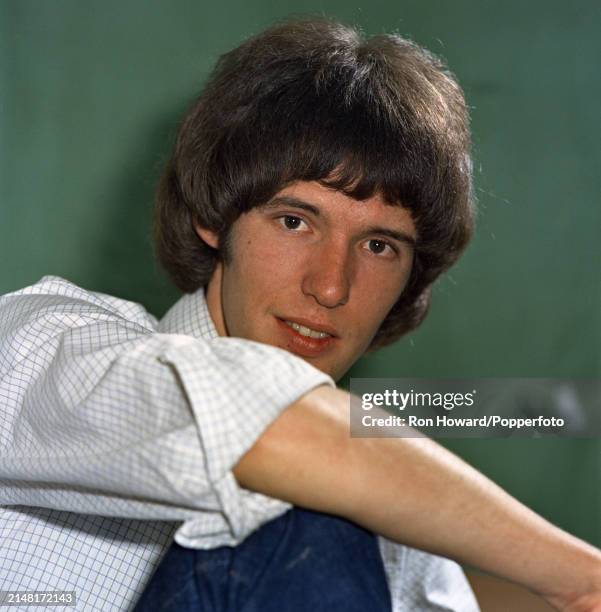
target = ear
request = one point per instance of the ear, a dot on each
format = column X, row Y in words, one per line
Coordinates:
column 208, row 236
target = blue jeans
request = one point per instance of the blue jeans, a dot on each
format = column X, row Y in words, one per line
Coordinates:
column 302, row 561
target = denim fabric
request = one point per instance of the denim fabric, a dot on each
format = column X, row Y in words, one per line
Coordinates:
column 302, row 561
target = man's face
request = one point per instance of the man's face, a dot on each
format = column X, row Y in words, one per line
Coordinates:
column 314, row 272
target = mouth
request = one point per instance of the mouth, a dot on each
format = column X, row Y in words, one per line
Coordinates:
column 306, row 339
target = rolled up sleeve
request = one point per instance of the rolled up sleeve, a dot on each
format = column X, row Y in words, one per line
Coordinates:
column 242, row 390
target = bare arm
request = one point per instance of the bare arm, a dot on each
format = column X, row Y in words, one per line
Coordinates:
column 413, row 491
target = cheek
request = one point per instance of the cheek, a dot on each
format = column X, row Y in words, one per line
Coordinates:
column 265, row 263
column 375, row 296
column 380, row 293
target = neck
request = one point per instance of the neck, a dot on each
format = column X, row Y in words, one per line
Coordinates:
column 214, row 301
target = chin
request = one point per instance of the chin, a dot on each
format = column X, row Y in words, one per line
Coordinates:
column 327, row 369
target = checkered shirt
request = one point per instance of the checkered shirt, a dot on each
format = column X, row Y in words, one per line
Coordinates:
column 119, row 433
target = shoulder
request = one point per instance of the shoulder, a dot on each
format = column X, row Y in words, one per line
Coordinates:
column 54, row 296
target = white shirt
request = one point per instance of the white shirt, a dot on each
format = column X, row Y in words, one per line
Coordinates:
column 118, row 433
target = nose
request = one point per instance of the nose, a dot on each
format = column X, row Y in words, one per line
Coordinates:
column 328, row 276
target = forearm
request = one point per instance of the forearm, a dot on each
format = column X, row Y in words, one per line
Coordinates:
column 437, row 502
column 413, row 491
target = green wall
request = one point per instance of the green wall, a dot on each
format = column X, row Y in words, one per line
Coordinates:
column 90, row 96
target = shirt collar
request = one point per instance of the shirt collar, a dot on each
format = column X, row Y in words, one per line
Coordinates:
column 190, row 316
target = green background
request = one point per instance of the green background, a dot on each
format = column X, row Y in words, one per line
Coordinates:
column 91, row 93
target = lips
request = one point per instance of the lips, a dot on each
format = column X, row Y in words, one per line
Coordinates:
column 299, row 337
column 307, row 324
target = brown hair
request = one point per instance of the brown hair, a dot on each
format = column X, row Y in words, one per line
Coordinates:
column 311, row 100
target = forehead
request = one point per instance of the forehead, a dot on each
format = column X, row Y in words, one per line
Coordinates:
column 337, row 208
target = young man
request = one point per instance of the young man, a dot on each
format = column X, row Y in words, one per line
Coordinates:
column 318, row 187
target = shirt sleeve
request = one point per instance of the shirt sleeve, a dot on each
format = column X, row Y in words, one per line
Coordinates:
column 99, row 414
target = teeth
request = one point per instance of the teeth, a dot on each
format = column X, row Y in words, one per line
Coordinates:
column 306, row 331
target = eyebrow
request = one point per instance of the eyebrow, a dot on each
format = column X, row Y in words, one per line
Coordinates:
column 294, row 202
column 397, row 235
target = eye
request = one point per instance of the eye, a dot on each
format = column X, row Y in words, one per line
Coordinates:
column 379, row 247
column 291, row 222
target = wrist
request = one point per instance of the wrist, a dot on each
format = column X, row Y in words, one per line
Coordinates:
column 584, row 594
